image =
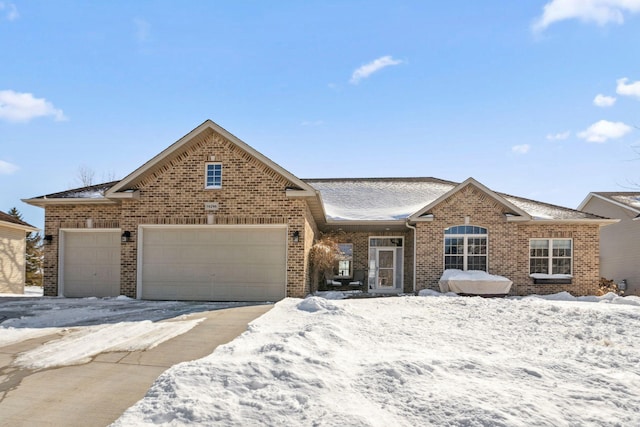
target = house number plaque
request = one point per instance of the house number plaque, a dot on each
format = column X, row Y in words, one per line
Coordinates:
column 211, row 206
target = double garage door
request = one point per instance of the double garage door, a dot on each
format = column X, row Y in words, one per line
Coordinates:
column 214, row 263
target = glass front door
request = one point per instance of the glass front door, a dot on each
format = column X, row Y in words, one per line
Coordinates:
column 386, row 256
column 386, row 268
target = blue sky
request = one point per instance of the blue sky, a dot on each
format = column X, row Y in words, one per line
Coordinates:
column 537, row 99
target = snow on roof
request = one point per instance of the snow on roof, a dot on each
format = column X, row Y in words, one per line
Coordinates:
column 398, row 198
column 540, row 210
column 377, row 198
column 91, row 192
column 630, row 199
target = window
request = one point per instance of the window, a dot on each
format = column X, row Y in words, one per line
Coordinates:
column 465, row 248
column 550, row 256
column 213, row 175
column 345, row 260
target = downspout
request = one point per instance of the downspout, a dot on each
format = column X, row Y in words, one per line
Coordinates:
column 415, row 261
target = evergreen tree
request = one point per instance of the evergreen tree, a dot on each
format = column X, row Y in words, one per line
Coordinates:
column 34, row 254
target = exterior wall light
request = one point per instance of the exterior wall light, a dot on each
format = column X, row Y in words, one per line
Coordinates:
column 296, row 236
column 126, row 236
column 47, row 239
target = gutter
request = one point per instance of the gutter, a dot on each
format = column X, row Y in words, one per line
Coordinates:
column 415, row 260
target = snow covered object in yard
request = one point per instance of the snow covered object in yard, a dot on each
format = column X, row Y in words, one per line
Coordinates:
column 474, row 282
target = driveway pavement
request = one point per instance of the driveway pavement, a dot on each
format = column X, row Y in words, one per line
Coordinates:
column 97, row 393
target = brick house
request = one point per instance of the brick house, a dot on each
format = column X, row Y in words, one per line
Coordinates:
column 210, row 218
column 620, row 243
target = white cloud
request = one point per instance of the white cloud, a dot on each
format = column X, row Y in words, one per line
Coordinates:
column 7, row 168
column 558, row 136
column 600, row 12
column 632, row 89
column 521, row 149
column 604, row 130
column 9, row 10
column 22, row 107
column 376, row 65
column 143, row 30
column 603, row 100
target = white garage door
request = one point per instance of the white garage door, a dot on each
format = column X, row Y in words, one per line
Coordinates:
column 216, row 263
column 90, row 263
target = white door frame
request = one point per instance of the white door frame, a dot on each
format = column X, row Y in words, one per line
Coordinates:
column 397, row 264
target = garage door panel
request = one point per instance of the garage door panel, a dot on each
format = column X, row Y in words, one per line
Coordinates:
column 225, row 264
column 90, row 263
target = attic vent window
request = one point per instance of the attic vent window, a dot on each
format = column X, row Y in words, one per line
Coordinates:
column 213, row 175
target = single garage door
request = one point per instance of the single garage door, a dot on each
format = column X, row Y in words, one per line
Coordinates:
column 90, row 263
column 215, row 263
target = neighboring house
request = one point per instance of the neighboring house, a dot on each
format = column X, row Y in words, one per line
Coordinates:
column 619, row 243
column 210, row 218
column 13, row 259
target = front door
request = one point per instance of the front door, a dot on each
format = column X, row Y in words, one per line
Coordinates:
column 386, row 261
column 385, row 264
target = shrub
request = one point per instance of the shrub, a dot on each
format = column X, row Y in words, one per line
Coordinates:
column 605, row 286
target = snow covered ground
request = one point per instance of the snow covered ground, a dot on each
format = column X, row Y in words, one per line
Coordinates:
column 82, row 328
column 402, row 361
column 431, row 360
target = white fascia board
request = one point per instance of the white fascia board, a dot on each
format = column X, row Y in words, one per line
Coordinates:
column 7, row 224
column 586, row 200
column 68, row 201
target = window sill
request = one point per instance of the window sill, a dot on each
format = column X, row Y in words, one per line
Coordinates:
column 219, row 187
column 550, row 280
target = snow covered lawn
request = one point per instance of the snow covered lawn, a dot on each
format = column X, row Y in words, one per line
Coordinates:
column 407, row 361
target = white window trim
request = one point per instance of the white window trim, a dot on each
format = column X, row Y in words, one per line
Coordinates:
column 206, row 170
column 465, row 255
column 550, row 265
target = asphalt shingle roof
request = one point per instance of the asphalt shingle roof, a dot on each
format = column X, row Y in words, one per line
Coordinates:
column 8, row 218
column 398, row 198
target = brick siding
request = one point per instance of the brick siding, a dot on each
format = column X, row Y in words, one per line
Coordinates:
column 508, row 245
column 251, row 193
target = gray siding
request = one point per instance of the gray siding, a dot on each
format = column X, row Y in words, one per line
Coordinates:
column 619, row 244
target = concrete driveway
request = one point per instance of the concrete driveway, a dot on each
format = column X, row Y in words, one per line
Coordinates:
column 97, row 393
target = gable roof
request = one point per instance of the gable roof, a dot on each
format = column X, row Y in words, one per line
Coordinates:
column 514, row 210
column 13, row 222
column 205, row 130
column 629, row 200
column 398, row 199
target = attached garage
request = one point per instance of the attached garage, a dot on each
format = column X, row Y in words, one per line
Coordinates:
column 90, row 263
column 212, row 263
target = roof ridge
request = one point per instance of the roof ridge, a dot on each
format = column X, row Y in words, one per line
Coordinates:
column 389, row 179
